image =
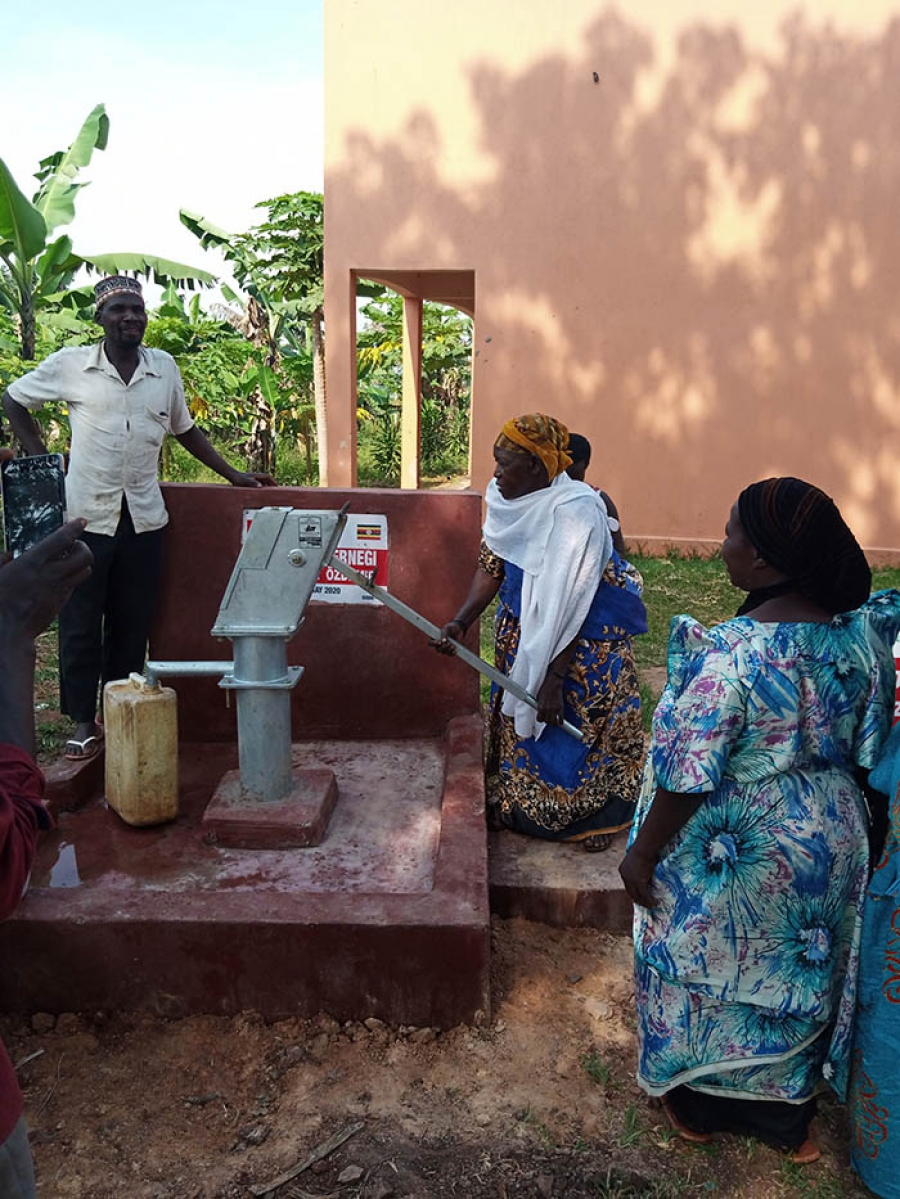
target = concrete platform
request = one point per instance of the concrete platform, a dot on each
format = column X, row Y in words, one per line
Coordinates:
column 388, row 917
column 558, row 884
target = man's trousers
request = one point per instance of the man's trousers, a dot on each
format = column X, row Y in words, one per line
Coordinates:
column 104, row 627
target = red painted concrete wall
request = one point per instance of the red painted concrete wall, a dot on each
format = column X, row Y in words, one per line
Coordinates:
column 367, row 672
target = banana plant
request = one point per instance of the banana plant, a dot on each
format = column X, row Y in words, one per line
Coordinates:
column 279, row 264
column 37, row 264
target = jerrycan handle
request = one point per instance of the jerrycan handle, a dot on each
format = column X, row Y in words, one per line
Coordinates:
column 141, row 683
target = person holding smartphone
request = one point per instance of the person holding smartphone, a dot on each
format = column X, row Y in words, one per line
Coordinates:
column 122, row 399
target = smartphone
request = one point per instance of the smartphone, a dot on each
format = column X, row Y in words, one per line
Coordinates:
column 34, row 499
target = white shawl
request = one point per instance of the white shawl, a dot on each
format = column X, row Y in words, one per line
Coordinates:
column 559, row 537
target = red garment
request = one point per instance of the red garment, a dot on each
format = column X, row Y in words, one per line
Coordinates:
column 22, row 815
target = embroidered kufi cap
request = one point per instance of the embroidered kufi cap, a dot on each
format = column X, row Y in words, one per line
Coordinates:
column 115, row 285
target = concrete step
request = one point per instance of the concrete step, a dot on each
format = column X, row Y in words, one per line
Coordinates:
column 558, row 883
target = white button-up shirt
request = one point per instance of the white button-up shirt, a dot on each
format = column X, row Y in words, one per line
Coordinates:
column 117, row 430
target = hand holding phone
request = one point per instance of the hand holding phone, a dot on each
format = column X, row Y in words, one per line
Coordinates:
column 34, row 499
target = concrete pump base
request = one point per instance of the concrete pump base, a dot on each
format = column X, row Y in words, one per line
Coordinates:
column 296, row 821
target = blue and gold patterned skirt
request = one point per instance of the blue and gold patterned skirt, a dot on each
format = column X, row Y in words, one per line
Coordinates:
column 556, row 787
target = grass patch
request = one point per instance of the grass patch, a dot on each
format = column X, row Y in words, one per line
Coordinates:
column 621, row 1184
column 52, row 730
column 51, row 736
column 701, row 588
column 885, row 577
column 631, row 1130
column 673, row 586
column 596, row 1068
column 799, row 1181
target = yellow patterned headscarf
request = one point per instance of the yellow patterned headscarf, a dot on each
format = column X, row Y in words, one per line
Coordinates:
column 546, row 438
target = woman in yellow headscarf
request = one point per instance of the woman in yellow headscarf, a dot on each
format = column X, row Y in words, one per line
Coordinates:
column 563, row 630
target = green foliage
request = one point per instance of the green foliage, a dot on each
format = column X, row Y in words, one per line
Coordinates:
column 799, row 1182
column 161, row 270
column 22, row 228
column 445, row 436
column 210, row 354
column 382, row 432
column 178, row 466
column 223, row 374
column 37, row 268
column 278, row 262
column 649, row 698
column 49, row 336
column 297, row 467
column 701, row 588
column 58, row 173
column 288, row 251
column 279, row 265
column 446, row 349
column 446, row 375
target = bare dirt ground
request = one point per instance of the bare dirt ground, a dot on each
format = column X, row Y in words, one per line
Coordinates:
column 540, row 1102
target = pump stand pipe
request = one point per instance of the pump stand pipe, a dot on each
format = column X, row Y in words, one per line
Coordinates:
column 263, row 682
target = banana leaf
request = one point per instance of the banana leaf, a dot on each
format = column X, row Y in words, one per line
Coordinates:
column 23, row 231
column 55, row 199
column 163, row 270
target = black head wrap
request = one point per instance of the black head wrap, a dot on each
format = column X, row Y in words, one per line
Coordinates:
column 798, row 529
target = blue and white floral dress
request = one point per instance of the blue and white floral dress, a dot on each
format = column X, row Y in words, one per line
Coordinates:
column 874, row 1099
column 746, row 970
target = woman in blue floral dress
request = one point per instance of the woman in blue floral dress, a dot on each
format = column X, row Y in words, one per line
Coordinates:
column 749, row 853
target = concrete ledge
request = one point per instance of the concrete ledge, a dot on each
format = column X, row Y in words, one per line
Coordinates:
column 557, row 883
column 70, row 784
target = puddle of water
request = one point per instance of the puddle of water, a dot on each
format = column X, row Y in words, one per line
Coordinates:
column 64, row 871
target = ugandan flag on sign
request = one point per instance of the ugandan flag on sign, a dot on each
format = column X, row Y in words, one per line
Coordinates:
column 368, row 532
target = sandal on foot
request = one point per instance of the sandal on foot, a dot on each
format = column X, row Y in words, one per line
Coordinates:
column 82, row 751
column 686, row 1133
column 597, row 842
column 807, row 1153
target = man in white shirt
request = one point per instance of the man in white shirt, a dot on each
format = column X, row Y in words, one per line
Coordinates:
column 122, row 399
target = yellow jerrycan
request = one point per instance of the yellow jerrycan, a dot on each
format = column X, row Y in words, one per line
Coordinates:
column 141, row 722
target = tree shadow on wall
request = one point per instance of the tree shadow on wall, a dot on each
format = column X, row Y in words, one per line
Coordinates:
column 742, row 211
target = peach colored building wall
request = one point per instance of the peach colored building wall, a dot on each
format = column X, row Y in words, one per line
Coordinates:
column 682, row 223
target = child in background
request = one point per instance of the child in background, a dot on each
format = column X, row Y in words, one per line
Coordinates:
column 580, row 453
